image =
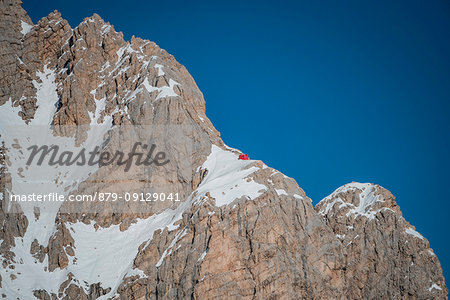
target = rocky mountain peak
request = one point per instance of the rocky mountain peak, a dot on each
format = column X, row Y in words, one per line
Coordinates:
column 239, row 229
column 357, row 199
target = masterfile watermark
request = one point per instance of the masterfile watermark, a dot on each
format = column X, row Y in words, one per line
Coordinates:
column 97, row 197
column 96, row 169
column 145, row 155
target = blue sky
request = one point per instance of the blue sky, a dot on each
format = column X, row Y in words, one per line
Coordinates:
column 328, row 92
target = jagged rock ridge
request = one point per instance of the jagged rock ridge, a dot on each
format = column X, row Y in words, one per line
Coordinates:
column 242, row 229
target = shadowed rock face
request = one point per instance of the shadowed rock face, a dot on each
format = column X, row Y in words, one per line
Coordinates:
column 242, row 230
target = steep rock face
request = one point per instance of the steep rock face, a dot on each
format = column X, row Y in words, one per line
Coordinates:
column 273, row 247
column 241, row 229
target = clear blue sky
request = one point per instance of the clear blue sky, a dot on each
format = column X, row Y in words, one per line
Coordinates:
column 328, row 92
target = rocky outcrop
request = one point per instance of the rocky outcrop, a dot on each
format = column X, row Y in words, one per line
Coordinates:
column 241, row 229
column 384, row 257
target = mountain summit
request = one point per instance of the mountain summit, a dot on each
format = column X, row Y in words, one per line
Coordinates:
column 226, row 228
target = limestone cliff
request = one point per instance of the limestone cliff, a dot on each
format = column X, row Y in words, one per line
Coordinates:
column 241, row 229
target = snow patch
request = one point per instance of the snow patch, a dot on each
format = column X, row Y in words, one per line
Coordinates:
column 202, row 257
column 228, row 178
column 105, row 29
column 160, row 70
column 47, row 97
column 281, row 192
column 106, row 255
column 25, row 27
column 168, row 251
column 414, row 233
column 9, row 116
column 434, row 286
column 167, row 91
column 367, row 200
column 163, row 92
